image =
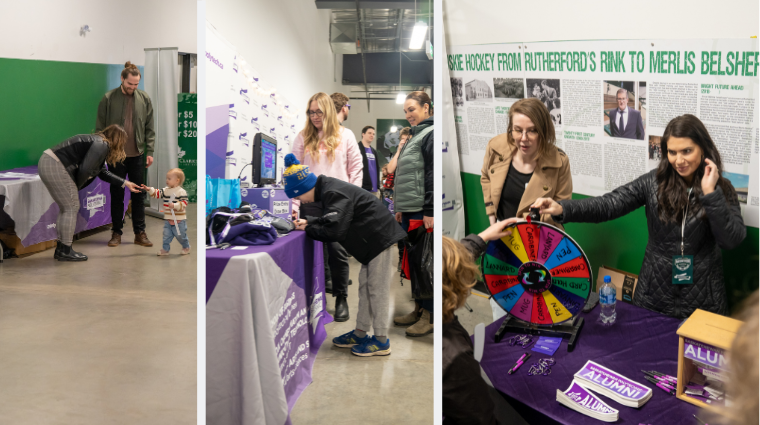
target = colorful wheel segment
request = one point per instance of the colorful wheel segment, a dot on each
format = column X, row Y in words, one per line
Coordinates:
column 537, row 274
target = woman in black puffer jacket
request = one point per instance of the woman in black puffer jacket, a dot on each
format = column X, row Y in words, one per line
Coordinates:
column 72, row 165
column 687, row 182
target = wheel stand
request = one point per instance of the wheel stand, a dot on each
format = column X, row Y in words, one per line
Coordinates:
column 571, row 330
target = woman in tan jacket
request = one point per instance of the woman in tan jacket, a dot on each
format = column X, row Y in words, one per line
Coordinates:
column 523, row 165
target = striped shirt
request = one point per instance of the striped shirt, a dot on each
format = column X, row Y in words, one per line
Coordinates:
column 180, row 202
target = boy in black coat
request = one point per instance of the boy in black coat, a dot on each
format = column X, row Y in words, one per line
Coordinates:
column 358, row 221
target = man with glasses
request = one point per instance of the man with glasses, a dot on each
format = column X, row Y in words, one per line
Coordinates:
column 341, row 106
column 626, row 122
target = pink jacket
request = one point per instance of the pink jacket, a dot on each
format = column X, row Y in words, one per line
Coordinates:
column 347, row 164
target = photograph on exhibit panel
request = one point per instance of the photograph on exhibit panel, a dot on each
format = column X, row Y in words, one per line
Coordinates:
column 319, row 252
column 622, row 107
column 549, row 93
column 98, row 236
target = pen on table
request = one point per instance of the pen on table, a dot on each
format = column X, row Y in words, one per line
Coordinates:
column 662, row 386
column 700, row 420
column 661, row 376
column 511, row 369
column 519, row 363
column 669, row 381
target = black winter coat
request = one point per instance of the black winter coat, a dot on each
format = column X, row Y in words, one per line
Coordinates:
column 84, row 157
column 354, row 218
column 718, row 225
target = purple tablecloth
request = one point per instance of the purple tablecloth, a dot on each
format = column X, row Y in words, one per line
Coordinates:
column 640, row 339
column 27, row 204
column 265, row 316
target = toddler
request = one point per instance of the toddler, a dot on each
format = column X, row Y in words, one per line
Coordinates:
column 174, row 206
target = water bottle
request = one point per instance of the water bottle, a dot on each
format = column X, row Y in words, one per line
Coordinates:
column 607, row 298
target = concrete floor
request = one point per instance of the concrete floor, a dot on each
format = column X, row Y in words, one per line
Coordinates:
column 111, row 340
column 348, row 389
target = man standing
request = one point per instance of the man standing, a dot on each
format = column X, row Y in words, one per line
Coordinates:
column 132, row 109
column 624, row 121
column 341, row 106
column 369, row 159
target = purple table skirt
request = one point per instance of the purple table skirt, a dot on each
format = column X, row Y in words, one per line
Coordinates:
column 299, row 257
column 34, row 227
column 640, row 339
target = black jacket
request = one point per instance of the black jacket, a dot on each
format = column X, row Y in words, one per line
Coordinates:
column 718, row 225
column 354, row 218
column 367, row 179
column 466, row 398
column 84, row 157
column 427, row 154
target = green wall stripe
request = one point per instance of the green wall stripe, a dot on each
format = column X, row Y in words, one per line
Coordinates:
column 620, row 243
column 45, row 102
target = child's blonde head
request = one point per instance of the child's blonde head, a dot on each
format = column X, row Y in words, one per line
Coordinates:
column 176, row 172
column 459, row 275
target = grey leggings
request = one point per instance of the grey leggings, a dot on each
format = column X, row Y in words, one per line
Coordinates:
column 64, row 192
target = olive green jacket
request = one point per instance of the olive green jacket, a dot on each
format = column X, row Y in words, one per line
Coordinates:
column 111, row 111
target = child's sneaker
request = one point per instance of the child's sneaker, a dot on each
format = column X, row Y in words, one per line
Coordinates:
column 348, row 340
column 162, row 253
column 185, row 251
column 372, row 347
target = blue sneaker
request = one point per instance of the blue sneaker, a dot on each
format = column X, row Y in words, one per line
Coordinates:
column 348, row 340
column 372, row 347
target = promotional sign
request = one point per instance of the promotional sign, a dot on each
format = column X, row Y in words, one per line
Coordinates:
column 187, row 154
column 610, row 102
column 240, row 105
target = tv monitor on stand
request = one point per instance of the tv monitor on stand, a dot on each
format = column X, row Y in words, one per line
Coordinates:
column 264, row 160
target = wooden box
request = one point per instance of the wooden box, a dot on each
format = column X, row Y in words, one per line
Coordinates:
column 705, row 336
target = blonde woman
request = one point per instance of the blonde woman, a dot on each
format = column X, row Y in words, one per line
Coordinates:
column 329, row 149
column 72, row 165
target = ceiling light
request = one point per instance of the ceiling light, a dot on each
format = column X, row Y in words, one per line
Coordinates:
column 418, row 35
column 394, row 129
column 400, row 98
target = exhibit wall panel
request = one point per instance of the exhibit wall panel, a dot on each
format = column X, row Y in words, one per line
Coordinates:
column 43, row 103
column 716, row 80
column 119, row 31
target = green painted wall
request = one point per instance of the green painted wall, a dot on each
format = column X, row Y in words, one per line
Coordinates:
column 45, row 102
column 620, row 243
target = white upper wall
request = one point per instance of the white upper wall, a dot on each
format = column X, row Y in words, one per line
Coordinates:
column 496, row 21
column 286, row 42
column 120, row 30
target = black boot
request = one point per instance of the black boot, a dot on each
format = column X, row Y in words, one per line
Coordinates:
column 341, row 308
column 66, row 253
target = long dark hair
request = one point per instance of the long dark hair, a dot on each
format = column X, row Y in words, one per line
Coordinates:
column 672, row 189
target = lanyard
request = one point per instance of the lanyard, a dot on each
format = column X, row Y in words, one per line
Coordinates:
column 683, row 223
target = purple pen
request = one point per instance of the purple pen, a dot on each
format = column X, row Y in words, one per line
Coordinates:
column 515, row 366
column 662, row 386
column 520, row 363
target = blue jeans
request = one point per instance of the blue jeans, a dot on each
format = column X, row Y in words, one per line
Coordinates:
column 405, row 217
column 170, row 232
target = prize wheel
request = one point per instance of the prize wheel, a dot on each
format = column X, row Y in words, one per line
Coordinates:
column 538, row 274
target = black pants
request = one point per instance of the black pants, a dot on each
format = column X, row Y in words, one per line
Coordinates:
column 133, row 167
column 337, row 257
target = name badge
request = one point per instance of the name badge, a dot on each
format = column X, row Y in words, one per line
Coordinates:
column 683, row 269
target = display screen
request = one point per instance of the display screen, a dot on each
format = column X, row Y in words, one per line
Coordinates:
column 268, row 160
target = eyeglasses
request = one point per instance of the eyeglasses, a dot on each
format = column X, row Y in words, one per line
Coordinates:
column 318, row 113
column 348, row 106
column 531, row 133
